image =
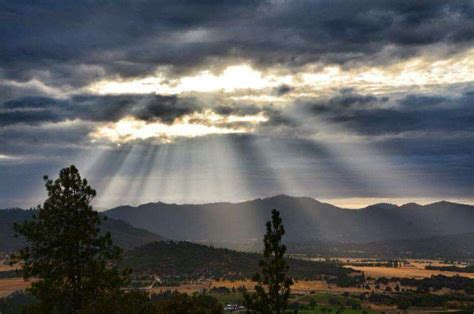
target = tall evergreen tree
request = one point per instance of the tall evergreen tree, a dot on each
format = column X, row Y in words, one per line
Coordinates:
column 273, row 284
column 66, row 252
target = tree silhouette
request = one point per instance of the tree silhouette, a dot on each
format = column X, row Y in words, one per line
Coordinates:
column 273, row 285
column 72, row 260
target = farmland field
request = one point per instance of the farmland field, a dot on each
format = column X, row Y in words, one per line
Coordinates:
column 406, row 272
column 415, row 269
column 10, row 285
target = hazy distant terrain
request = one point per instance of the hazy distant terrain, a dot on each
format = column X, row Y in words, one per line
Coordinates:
column 122, row 233
column 305, row 220
column 442, row 229
column 457, row 246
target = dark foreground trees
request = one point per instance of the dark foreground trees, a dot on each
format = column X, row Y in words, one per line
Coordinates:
column 71, row 260
column 181, row 303
column 73, row 264
column 273, row 284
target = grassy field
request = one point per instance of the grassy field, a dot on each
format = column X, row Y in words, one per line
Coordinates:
column 406, row 272
column 5, row 267
column 414, row 269
column 10, row 285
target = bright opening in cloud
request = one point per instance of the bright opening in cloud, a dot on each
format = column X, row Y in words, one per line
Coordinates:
column 7, row 157
column 233, row 78
column 194, row 125
column 240, row 79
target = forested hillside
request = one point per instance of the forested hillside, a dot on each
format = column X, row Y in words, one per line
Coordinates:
column 123, row 234
column 192, row 261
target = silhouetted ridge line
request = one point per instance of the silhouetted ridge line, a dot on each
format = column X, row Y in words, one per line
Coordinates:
column 306, row 219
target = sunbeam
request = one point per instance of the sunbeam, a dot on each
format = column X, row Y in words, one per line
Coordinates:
column 372, row 167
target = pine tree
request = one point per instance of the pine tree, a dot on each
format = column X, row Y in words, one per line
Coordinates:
column 273, row 284
column 66, row 252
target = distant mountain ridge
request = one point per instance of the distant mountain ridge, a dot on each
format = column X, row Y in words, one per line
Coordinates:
column 305, row 219
column 123, row 234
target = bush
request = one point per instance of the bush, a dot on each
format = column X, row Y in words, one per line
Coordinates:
column 181, row 303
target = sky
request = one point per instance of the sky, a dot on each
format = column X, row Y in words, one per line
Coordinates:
column 350, row 102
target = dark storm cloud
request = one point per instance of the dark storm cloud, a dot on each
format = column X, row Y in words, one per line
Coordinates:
column 387, row 121
column 35, row 110
column 22, row 139
column 347, row 99
column 238, row 109
column 373, row 115
column 282, row 90
column 70, row 43
column 362, row 114
column 9, row 91
column 111, row 108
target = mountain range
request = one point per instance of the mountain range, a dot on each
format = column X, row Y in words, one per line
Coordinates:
column 123, row 234
column 441, row 229
column 305, row 219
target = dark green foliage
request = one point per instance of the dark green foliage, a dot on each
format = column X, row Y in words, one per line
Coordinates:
column 273, row 284
column 181, row 303
column 438, row 282
column 221, row 290
column 467, row 269
column 409, row 299
column 178, row 261
column 66, row 251
column 346, row 281
column 132, row 302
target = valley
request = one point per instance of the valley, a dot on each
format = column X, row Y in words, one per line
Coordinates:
column 377, row 271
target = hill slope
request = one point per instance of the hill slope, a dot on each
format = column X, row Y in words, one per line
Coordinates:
column 190, row 260
column 305, row 219
column 123, row 234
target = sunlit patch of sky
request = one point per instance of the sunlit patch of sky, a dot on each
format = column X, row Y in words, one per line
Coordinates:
column 422, row 73
column 188, row 126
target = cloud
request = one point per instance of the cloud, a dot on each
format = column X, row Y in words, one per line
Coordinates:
column 309, row 74
column 371, row 115
column 186, row 36
column 83, row 119
column 34, row 110
column 282, row 90
column 348, row 111
column 347, row 99
column 426, row 134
